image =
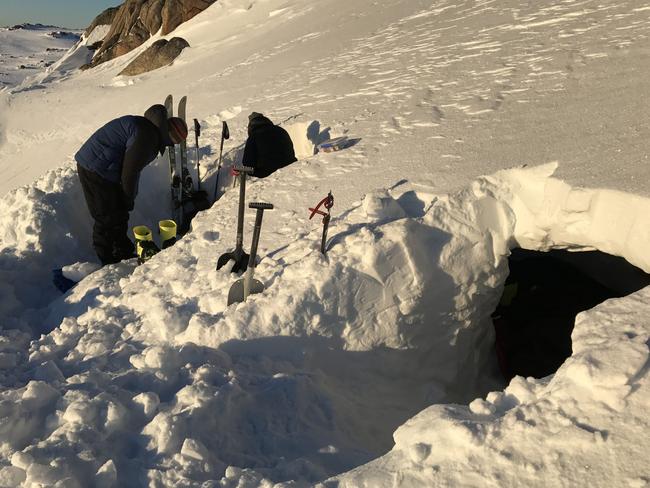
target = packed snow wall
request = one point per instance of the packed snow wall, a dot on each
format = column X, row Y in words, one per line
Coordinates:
column 577, row 427
column 305, row 380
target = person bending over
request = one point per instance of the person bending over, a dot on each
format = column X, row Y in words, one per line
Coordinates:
column 109, row 165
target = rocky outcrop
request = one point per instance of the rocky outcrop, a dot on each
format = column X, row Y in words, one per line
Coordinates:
column 137, row 20
column 105, row 18
column 175, row 12
column 160, row 53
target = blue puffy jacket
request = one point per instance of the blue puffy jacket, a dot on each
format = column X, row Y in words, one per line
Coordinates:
column 121, row 149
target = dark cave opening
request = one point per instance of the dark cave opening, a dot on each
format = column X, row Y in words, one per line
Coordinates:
column 542, row 296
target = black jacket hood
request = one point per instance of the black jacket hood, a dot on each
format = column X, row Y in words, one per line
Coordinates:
column 157, row 115
column 258, row 121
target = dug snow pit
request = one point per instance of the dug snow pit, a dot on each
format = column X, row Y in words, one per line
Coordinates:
column 343, row 359
column 543, row 294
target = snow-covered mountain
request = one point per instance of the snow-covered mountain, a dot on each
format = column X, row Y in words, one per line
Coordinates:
column 30, row 49
column 479, row 127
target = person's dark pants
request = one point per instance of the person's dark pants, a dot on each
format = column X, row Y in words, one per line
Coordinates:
column 107, row 206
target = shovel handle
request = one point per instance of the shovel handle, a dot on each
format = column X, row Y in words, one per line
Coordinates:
column 261, row 205
column 256, row 231
column 242, row 203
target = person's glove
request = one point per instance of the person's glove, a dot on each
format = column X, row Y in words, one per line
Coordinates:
column 234, row 172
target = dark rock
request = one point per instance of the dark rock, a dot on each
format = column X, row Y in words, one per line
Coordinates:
column 105, row 18
column 160, row 53
column 27, row 26
column 175, row 12
column 64, row 35
column 137, row 20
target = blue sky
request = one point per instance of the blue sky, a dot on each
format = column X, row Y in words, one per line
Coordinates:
column 63, row 13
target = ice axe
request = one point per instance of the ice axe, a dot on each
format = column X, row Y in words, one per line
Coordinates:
column 328, row 203
column 248, row 285
column 225, row 134
column 238, row 255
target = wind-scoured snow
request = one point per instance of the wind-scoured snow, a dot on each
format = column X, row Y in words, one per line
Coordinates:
column 31, row 50
column 373, row 365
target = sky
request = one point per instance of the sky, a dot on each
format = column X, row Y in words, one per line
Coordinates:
column 62, row 13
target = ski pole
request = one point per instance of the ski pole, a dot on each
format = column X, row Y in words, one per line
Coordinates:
column 328, row 203
column 225, row 134
column 197, row 133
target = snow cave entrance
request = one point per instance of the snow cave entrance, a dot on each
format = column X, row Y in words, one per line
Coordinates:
column 542, row 296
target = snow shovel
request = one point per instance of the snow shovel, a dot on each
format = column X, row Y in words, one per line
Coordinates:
column 248, row 285
column 225, row 134
column 238, row 255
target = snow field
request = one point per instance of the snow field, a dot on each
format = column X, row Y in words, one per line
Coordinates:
column 25, row 53
column 147, row 378
column 396, row 317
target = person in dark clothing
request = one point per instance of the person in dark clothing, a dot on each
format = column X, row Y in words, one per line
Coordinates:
column 109, row 165
column 268, row 147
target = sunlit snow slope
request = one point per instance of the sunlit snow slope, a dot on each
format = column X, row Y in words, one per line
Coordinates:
column 30, row 50
column 362, row 367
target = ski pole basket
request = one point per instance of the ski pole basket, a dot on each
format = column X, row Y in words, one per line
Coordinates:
column 327, row 203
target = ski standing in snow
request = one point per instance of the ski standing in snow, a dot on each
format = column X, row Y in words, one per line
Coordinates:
column 186, row 202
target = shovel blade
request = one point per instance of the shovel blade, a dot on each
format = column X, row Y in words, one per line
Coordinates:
column 236, row 293
column 240, row 259
column 223, row 259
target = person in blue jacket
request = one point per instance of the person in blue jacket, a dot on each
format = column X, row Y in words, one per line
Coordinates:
column 109, row 165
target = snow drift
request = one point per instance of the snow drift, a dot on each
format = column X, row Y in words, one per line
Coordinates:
column 311, row 377
column 143, row 375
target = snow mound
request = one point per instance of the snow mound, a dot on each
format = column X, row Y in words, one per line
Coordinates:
column 312, row 377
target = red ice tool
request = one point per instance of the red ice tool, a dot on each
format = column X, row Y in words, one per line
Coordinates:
column 328, row 203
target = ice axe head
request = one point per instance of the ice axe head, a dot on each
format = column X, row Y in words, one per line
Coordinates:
column 225, row 133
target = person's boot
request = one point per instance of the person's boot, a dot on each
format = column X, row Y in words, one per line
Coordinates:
column 124, row 250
